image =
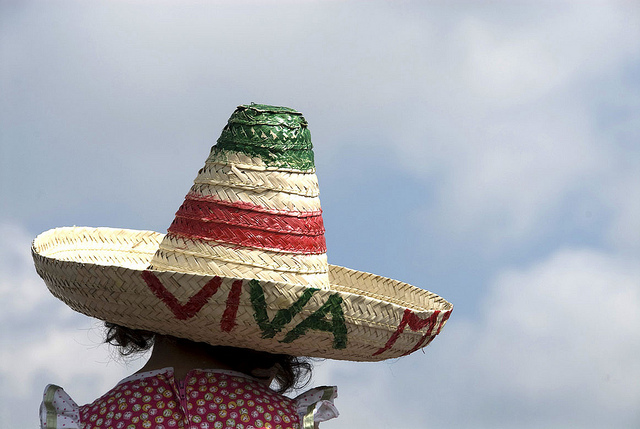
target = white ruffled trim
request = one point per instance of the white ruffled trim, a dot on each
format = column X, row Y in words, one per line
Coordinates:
column 58, row 410
column 318, row 401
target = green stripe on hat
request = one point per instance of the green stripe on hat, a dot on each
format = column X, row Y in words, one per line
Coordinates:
column 277, row 135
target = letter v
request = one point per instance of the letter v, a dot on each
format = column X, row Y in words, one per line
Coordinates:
column 195, row 303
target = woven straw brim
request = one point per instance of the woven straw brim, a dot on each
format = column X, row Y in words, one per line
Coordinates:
column 103, row 273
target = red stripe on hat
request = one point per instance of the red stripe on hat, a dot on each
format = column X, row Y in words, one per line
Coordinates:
column 249, row 237
column 241, row 215
column 208, row 220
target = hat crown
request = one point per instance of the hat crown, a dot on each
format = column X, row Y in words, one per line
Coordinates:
column 253, row 210
column 277, row 135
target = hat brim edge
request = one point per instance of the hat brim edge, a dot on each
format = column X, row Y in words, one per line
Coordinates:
column 383, row 317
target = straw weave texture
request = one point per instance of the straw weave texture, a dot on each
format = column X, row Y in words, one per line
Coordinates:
column 269, row 200
column 217, row 259
column 231, row 175
column 99, row 272
column 243, row 160
column 209, row 240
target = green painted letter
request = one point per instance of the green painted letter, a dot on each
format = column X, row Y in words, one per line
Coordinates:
column 318, row 322
column 272, row 327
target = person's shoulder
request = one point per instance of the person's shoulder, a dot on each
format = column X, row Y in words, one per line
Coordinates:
column 58, row 410
column 316, row 405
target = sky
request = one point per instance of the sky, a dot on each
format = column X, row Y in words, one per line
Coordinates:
column 485, row 151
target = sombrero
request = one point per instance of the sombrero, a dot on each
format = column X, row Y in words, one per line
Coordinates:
column 244, row 262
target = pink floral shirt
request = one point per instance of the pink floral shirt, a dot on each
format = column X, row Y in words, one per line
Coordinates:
column 205, row 399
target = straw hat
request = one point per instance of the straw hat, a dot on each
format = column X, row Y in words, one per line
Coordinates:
column 244, row 262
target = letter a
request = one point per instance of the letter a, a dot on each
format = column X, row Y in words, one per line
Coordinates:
column 318, row 322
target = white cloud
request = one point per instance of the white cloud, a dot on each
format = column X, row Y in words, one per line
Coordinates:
column 513, row 133
column 622, row 195
column 498, row 108
column 43, row 341
column 522, row 55
column 555, row 346
column 18, row 284
column 568, row 326
column 517, row 175
column 495, row 106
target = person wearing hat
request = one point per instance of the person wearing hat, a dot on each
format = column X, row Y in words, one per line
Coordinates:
column 234, row 297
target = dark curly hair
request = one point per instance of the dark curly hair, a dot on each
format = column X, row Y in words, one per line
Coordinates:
column 292, row 372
